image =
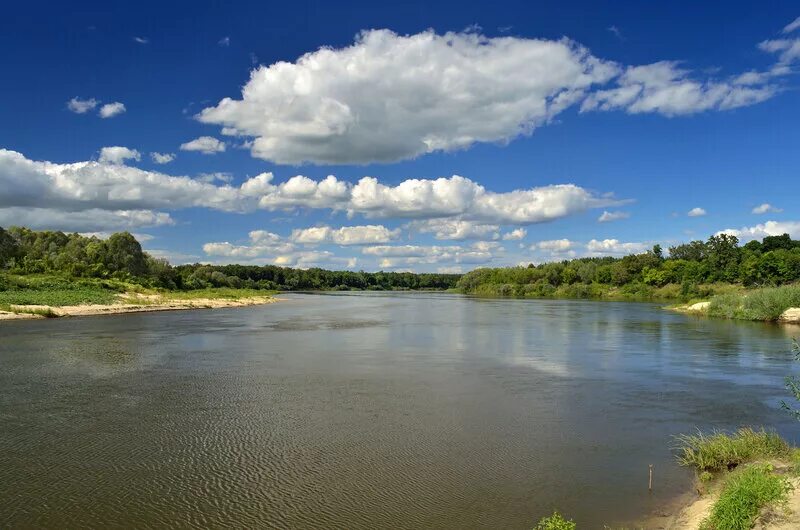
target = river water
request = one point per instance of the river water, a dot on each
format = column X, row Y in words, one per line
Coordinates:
column 370, row 411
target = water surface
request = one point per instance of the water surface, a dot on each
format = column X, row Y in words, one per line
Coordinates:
column 369, row 411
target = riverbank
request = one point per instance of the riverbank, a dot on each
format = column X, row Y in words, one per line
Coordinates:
column 136, row 303
column 747, row 479
column 771, row 304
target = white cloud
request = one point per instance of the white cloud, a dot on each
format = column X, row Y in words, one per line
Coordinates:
column 118, row 155
column 267, row 247
column 770, row 228
column 207, row 145
column 790, row 27
column 81, row 106
column 665, row 88
column 455, row 269
column 607, row 217
column 555, row 245
column 389, row 97
column 614, row 247
column 455, row 229
column 93, row 219
column 515, row 235
column 766, row 208
column 141, row 40
column 409, row 255
column 261, row 244
column 224, row 41
column 218, row 176
column 109, row 110
column 788, row 50
column 696, row 212
column 162, row 158
column 459, row 196
column 346, row 235
column 109, row 184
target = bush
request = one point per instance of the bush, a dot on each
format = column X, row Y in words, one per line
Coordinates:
column 555, row 522
column 761, row 304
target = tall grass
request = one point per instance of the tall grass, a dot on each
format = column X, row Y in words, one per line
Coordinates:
column 760, row 304
column 745, row 493
column 718, row 451
column 45, row 312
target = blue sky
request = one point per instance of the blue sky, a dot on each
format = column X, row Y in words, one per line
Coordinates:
column 550, row 114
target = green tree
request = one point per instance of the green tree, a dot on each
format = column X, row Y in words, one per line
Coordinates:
column 8, row 248
column 124, row 254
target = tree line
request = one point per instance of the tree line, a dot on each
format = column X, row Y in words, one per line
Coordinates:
column 775, row 260
column 120, row 256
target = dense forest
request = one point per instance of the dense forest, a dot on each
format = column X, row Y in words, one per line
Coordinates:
column 120, row 256
column 695, row 269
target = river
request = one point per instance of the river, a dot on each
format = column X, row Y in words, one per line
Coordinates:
column 382, row 410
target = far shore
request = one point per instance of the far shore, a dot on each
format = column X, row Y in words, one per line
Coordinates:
column 131, row 303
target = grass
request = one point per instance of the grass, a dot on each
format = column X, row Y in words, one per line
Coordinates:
column 41, row 311
column 765, row 304
column 217, row 293
column 720, row 451
column 53, row 290
column 745, row 493
column 56, row 291
column 555, row 522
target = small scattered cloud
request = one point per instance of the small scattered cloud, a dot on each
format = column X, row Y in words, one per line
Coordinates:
column 456, row 229
column 613, row 247
column 162, row 158
column 224, row 41
column 766, row 208
column 81, row 106
column 109, row 110
column 346, row 235
column 616, row 32
column 141, row 40
column 118, row 155
column 515, row 235
column 788, row 50
column 219, row 176
column 790, row 27
column 207, row 145
column 554, row 245
column 607, row 217
column 696, row 212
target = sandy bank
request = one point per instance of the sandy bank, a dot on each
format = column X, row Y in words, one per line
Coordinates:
column 695, row 509
column 131, row 303
column 791, row 316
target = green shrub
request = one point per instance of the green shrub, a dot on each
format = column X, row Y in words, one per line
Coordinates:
column 760, row 304
column 744, row 494
column 718, row 450
column 555, row 522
